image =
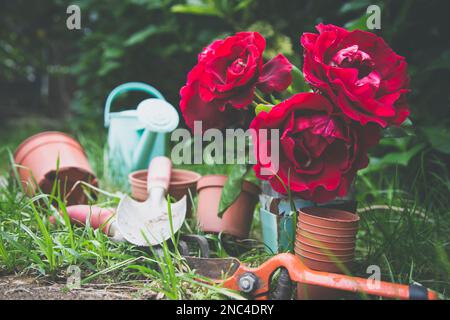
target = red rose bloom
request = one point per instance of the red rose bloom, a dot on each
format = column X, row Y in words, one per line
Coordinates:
column 223, row 82
column 319, row 151
column 359, row 72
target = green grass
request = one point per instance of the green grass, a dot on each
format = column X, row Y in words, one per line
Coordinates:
column 404, row 230
column 30, row 244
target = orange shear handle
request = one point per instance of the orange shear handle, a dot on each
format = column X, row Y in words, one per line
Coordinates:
column 298, row 272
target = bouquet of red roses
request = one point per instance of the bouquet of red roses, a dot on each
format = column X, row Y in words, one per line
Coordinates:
column 357, row 85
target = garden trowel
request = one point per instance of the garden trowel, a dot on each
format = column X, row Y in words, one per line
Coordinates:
column 141, row 223
column 155, row 220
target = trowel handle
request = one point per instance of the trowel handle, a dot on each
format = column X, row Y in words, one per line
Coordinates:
column 159, row 172
column 98, row 217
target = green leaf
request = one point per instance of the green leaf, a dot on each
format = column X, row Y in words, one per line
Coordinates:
column 357, row 24
column 438, row 136
column 203, row 10
column 233, row 187
column 397, row 132
column 141, row 35
column 263, row 107
column 394, row 158
column 112, row 53
column 149, row 5
column 108, row 67
column 354, row 6
column 244, row 4
column 442, row 62
column 298, row 82
column 400, row 143
column 275, row 100
column 264, row 28
column 280, row 43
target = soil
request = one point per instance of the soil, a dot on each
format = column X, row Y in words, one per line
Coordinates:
column 28, row 288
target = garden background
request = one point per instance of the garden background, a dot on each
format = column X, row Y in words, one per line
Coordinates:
column 55, row 78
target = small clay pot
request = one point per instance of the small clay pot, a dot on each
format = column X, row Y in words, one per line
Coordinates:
column 332, row 258
column 324, row 244
column 345, row 205
column 329, row 218
column 311, row 292
column 237, row 219
column 326, row 266
column 325, row 251
column 327, row 231
column 325, row 238
column 38, row 156
column 181, row 183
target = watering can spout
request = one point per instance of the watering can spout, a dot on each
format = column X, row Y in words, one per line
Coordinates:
column 143, row 151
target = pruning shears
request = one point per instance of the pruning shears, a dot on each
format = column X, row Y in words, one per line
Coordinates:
column 232, row 274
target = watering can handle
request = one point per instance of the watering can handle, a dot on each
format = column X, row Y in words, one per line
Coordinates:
column 126, row 87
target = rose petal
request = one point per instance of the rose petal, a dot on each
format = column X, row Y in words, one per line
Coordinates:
column 359, row 73
column 276, row 75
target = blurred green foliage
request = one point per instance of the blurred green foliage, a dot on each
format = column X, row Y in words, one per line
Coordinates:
column 157, row 41
column 46, row 69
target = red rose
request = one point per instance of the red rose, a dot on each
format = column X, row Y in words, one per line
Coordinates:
column 223, row 82
column 359, row 72
column 319, row 151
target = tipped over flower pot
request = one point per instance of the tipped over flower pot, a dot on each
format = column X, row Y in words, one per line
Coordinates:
column 325, row 241
column 237, row 219
column 182, row 183
column 49, row 155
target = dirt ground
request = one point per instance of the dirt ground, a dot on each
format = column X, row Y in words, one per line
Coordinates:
column 27, row 288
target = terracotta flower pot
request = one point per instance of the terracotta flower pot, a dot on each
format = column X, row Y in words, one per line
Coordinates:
column 181, row 182
column 326, row 257
column 325, row 241
column 325, row 266
column 37, row 158
column 324, row 238
column 339, row 232
column 237, row 219
column 329, row 218
column 310, row 292
column 323, row 250
column 324, row 244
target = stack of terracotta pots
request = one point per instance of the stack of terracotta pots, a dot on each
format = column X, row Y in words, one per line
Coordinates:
column 182, row 183
column 325, row 241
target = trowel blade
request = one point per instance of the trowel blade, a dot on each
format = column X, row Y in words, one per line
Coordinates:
column 143, row 225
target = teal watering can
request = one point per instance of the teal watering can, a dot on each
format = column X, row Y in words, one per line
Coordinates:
column 137, row 135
